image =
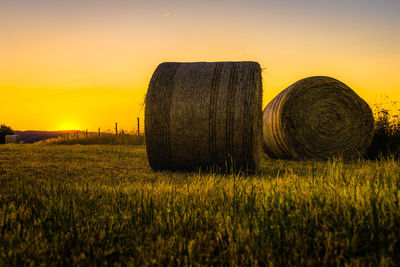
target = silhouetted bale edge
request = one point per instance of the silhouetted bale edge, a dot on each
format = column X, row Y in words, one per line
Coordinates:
column 204, row 115
column 317, row 118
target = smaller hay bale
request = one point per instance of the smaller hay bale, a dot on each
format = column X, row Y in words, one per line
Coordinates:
column 204, row 115
column 317, row 118
column 12, row 139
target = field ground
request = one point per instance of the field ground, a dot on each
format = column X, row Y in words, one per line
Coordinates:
column 77, row 205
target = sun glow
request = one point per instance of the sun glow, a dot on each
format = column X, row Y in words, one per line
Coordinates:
column 68, row 125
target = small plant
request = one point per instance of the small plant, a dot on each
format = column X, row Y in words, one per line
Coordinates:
column 386, row 140
column 5, row 130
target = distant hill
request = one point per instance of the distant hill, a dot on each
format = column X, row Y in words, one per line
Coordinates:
column 34, row 136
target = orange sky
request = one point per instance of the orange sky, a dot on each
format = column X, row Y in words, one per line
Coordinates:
column 86, row 65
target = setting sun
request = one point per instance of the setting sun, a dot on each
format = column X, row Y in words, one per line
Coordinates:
column 68, row 125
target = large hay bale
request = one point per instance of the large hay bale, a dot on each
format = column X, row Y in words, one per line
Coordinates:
column 317, row 118
column 12, row 139
column 204, row 115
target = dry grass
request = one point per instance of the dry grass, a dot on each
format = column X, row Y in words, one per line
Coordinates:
column 94, row 139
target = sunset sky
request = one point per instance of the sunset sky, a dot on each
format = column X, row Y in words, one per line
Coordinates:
column 87, row 64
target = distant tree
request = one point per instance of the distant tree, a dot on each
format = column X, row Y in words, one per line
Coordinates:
column 4, row 130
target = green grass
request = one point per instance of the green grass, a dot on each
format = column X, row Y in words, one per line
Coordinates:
column 85, row 205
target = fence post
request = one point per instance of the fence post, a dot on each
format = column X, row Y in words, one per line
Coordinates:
column 138, row 126
column 99, row 131
column 116, row 128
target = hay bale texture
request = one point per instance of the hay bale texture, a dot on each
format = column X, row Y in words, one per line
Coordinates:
column 204, row 115
column 317, row 118
column 12, row 139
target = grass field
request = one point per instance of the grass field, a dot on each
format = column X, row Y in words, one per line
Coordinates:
column 94, row 139
column 78, row 205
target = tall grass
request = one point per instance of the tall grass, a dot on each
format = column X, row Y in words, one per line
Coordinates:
column 94, row 139
column 386, row 140
column 96, row 205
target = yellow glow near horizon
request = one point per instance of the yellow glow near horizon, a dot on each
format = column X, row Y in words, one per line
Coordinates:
column 67, row 125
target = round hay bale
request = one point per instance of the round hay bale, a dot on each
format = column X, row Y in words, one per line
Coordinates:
column 204, row 115
column 317, row 118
